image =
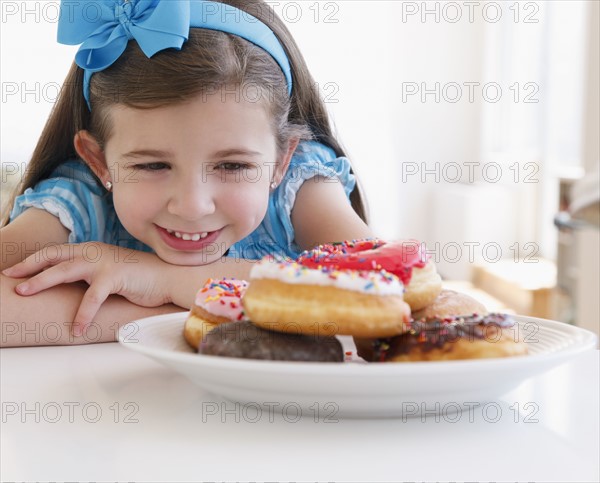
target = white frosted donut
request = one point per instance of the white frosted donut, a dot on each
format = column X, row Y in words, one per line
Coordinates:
column 288, row 297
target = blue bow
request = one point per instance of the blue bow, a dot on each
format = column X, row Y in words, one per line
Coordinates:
column 103, row 28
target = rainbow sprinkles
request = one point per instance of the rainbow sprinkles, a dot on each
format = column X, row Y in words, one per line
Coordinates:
column 364, row 281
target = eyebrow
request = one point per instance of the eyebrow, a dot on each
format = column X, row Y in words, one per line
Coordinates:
column 148, row 153
column 224, row 153
column 235, row 152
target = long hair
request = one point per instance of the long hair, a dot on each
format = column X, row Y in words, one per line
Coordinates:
column 208, row 60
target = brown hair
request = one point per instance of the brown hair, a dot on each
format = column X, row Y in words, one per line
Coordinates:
column 207, row 61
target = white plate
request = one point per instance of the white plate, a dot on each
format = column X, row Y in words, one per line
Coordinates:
column 356, row 388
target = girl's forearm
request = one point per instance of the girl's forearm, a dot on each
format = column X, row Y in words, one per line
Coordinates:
column 46, row 318
column 184, row 282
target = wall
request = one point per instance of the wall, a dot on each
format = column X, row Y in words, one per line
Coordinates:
column 376, row 52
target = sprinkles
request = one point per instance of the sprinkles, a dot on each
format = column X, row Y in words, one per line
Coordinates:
column 222, row 297
column 398, row 258
column 377, row 282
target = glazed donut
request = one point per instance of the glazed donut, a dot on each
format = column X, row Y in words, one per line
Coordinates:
column 217, row 302
column 405, row 259
column 288, row 297
column 447, row 304
column 246, row 340
column 453, row 338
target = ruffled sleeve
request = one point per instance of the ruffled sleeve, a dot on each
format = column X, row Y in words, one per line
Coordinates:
column 312, row 160
column 71, row 194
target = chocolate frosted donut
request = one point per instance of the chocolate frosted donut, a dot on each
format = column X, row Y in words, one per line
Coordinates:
column 451, row 338
column 447, row 304
column 245, row 340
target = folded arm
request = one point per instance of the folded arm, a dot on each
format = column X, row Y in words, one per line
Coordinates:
column 46, row 318
column 44, row 313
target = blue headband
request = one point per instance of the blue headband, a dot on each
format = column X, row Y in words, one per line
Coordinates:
column 104, row 27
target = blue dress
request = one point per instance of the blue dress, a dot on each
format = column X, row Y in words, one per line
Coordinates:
column 73, row 194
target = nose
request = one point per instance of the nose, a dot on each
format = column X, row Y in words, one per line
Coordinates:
column 191, row 200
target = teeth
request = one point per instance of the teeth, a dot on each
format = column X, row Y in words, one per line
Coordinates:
column 188, row 236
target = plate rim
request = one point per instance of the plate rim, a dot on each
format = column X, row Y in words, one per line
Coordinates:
column 587, row 341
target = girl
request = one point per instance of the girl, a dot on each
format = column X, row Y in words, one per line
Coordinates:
column 189, row 139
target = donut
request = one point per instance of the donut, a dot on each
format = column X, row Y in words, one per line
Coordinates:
column 288, row 297
column 245, row 340
column 217, row 302
column 454, row 338
column 405, row 259
column 447, row 304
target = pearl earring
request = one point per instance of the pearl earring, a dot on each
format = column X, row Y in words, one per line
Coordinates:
column 273, row 185
column 108, row 185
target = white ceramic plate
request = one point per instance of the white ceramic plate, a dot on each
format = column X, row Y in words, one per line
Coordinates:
column 355, row 388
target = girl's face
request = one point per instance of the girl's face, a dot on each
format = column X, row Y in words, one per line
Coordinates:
column 192, row 179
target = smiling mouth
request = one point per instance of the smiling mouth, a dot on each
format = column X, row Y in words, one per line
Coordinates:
column 180, row 240
column 187, row 236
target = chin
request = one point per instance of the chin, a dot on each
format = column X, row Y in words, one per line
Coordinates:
column 190, row 259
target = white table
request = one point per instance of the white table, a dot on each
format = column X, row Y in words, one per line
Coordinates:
column 104, row 413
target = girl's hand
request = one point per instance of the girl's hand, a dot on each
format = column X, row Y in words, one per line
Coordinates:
column 107, row 269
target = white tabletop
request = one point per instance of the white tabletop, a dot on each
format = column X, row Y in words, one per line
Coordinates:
column 102, row 412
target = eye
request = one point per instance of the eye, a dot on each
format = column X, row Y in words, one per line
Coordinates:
column 232, row 166
column 156, row 166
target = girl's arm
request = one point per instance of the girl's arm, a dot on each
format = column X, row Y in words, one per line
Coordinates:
column 142, row 278
column 322, row 214
column 46, row 318
column 29, row 233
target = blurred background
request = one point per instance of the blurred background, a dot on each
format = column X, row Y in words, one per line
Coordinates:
column 473, row 126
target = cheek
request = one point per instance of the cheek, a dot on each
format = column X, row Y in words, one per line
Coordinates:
column 247, row 203
column 134, row 203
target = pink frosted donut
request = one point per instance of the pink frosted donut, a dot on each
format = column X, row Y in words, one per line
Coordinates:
column 407, row 259
column 219, row 301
